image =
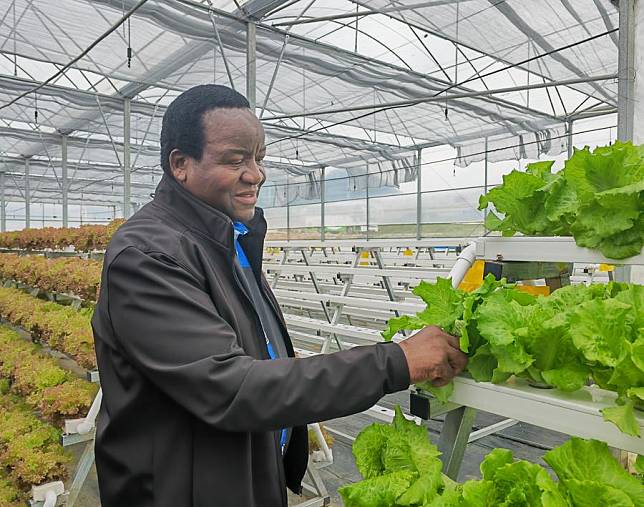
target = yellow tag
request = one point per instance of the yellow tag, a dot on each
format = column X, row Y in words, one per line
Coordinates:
column 606, row 267
column 474, row 277
column 535, row 290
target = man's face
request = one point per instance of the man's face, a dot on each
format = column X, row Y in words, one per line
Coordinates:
column 230, row 171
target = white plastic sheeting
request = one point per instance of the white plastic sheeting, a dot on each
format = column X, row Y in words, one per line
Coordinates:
column 177, row 44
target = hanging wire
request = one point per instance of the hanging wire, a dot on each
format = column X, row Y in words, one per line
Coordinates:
column 35, row 108
column 15, row 51
column 129, row 44
column 458, row 5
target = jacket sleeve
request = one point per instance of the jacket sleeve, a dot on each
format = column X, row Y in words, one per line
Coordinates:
column 169, row 328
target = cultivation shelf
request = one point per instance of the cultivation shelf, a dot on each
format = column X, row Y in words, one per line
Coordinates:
column 544, row 249
column 576, row 413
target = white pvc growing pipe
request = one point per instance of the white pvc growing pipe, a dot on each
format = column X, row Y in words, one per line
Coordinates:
column 50, row 499
column 88, row 424
column 323, row 445
column 463, row 262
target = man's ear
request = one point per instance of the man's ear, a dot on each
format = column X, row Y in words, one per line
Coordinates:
column 179, row 162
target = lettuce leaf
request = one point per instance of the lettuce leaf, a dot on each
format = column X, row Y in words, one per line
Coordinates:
column 380, row 491
column 596, row 198
column 623, row 416
column 508, row 483
column 591, row 460
column 368, row 448
column 601, row 329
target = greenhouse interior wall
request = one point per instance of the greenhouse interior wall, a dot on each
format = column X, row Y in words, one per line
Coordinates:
column 355, row 210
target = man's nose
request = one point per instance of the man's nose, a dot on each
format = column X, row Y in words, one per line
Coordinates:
column 254, row 173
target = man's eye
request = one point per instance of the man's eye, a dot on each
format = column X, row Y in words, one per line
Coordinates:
column 237, row 161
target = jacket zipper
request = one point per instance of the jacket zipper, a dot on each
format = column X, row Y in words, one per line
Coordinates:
column 279, row 461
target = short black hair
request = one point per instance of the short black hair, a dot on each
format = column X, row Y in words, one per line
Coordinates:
column 182, row 127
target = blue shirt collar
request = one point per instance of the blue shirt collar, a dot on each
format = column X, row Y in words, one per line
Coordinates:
column 240, row 229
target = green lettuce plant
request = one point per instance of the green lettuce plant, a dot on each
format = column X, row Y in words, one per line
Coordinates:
column 562, row 340
column 401, row 467
column 598, row 198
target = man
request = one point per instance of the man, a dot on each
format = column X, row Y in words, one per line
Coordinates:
column 203, row 401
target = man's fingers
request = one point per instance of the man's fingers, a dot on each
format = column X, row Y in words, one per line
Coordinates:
column 453, row 341
column 457, row 360
column 440, row 382
column 444, row 371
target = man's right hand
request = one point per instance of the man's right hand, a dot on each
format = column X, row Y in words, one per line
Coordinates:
column 433, row 355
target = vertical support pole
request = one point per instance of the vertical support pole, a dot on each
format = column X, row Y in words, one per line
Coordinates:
column 322, row 203
column 288, row 209
column 64, row 181
column 3, row 204
column 251, row 64
column 569, row 136
column 626, row 70
column 355, row 47
column 419, row 192
column 126, row 158
column 367, row 197
column 27, row 196
column 638, row 86
column 631, row 26
column 485, row 185
column 454, row 437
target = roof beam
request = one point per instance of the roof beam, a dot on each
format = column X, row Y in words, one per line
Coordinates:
column 437, row 97
column 115, row 104
column 363, row 13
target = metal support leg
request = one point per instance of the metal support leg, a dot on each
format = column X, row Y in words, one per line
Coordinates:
column 338, row 310
column 453, row 439
column 385, row 279
column 276, row 277
column 82, row 470
column 317, row 488
column 316, row 284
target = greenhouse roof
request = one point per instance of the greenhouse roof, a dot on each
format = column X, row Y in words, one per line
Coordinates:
column 338, row 83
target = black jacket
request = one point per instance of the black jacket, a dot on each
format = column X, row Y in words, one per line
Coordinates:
column 191, row 401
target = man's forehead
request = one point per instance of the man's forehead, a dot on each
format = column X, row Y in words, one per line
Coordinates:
column 231, row 117
column 232, row 125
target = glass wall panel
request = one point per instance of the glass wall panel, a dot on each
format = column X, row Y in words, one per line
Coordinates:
column 392, row 216
column 452, row 213
column 277, row 223
column 346, row 219
column 305, row 221
column 440, row 173
column 594, row 132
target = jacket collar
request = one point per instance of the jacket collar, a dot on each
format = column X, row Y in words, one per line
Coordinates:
column 204, row 218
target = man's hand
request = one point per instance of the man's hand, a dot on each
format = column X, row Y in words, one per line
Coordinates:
column 433, row 355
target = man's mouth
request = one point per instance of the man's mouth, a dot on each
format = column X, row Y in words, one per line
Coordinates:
column 248, row 198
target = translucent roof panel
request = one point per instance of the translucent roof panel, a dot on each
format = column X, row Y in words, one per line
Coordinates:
column 176, row 46
column 521, row 31
column 323, row 101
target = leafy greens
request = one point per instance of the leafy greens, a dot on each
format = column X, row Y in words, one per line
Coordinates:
column 598, row 198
